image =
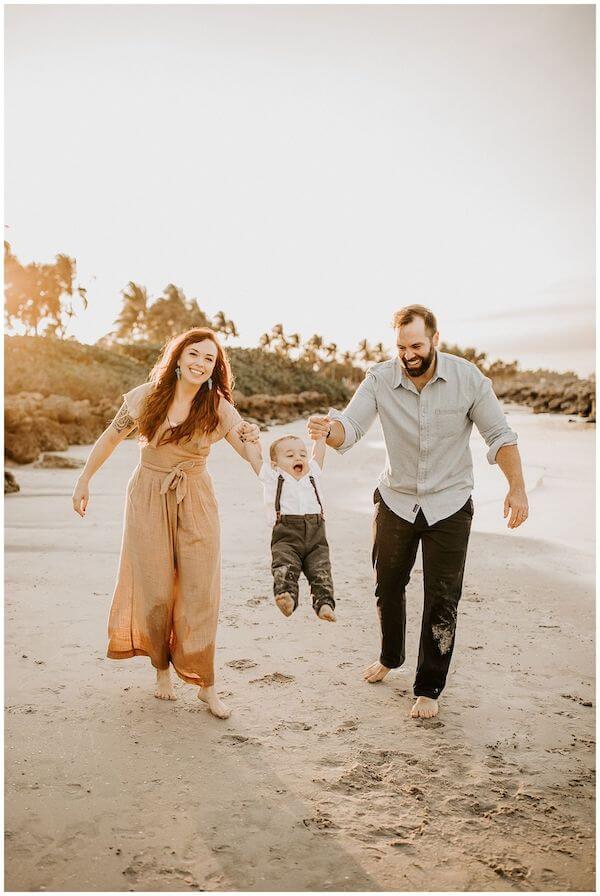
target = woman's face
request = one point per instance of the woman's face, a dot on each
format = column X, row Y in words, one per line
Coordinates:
column 197, row 362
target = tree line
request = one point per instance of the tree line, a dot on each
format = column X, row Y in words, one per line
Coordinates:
column 41, row 299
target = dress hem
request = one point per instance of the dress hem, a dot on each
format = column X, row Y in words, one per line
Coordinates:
column 137, row 651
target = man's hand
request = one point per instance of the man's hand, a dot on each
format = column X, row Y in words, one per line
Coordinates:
column 516, row 504
column 248, row 432
column 318, row 427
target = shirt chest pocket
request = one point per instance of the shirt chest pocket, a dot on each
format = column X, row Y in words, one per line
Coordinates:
column 449, row 421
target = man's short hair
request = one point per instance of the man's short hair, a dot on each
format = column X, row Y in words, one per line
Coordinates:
column 273, row 448
column 407, row 314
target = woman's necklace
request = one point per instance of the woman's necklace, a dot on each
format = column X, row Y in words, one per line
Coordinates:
column 171, row 424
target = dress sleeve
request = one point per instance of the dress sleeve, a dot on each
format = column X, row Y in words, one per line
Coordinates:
column 134, row 399
column 228, row 417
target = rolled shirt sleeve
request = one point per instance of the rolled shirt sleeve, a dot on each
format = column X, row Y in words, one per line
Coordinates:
column 359, row 415
column 487, row 415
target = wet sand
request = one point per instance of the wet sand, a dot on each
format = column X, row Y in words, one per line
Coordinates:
column 318, row 781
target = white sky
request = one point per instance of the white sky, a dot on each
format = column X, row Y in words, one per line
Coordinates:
column 316, row 166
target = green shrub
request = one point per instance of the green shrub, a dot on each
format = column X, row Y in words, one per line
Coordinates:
column 66, row 367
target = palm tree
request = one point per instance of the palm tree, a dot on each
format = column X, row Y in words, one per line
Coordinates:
column 36, row 293
column 311, row 350
column 365, row 352
column 195, row 315
column 379, row 352
column 221, row 324
column 131, row 322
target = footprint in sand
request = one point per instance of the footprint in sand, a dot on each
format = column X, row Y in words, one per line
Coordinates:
column 241, row 664
column 348, row 725
column 293, row 726
column 238, row 740
column 273, row 678
column 320, row 821
column 577, row 699
column 508, row 868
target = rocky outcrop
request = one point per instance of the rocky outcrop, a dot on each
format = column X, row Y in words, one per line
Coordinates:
column 559, row 394
column 59, row 462
column 34, row 423
column 271, row 410
column 10, row 483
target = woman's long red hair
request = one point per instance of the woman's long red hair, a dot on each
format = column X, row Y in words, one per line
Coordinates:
column 204, row 412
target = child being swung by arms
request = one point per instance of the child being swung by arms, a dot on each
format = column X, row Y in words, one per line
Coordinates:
column 293, row 500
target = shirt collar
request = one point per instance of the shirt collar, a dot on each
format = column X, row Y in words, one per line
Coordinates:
column 288, row 476
column 401, row 378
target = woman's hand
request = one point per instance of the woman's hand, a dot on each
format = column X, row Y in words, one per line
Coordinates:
column 248, row 432
column 81, row 496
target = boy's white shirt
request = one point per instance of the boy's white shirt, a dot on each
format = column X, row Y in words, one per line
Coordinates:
column 297, row 495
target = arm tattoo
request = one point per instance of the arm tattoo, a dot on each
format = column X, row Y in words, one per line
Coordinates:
column 123, row 420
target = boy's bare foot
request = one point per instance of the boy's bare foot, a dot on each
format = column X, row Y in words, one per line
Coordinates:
column 424, row 708
column 326, row 612
column 375, row 672
column 164, row 686
column 285, row 602
column 214, row 702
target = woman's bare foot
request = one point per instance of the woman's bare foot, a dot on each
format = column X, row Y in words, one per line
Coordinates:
column 164, row 686
column 375, row 672
column 285, row 602
column 326, row 612
column 214, row 703
column 424, row 708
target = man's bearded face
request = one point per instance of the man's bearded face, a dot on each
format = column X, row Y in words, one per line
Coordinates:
column 416, row 349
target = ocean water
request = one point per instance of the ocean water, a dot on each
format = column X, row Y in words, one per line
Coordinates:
column 559, row 470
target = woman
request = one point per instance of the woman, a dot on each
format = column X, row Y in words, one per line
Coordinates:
column 166, row 600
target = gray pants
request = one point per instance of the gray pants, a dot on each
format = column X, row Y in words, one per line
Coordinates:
column 299, row 544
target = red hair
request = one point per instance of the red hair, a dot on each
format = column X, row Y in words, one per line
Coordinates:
column 204, row 412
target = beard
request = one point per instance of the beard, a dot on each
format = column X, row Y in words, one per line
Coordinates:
column 421, row 368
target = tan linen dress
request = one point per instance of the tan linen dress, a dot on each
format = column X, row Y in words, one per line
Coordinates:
column 166, row 600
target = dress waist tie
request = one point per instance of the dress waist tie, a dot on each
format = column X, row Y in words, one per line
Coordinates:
column 176, row 477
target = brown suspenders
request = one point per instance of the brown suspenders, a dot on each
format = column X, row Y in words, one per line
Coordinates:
column 278, row 496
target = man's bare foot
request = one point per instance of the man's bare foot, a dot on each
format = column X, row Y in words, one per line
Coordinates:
column 214, row 703
column 285, row 602
column 326, row 612
column 424, row 708
column 164, row 686
column 375, row 672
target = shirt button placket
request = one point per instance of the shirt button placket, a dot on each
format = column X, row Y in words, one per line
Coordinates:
column 423, row 443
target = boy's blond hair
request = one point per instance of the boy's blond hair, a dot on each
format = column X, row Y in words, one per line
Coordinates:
column 273, row 447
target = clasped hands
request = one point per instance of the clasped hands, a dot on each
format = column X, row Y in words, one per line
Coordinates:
column 248, row 432
column 318, row 427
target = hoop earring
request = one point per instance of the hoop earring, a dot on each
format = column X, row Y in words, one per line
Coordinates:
column 209, row 381
column 178, row 372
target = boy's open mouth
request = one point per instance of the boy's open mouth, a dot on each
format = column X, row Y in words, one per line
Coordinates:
column 298, row 468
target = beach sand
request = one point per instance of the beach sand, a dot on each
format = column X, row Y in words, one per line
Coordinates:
column 318, row 781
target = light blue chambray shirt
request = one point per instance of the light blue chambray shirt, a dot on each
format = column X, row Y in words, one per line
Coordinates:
column 428, row 459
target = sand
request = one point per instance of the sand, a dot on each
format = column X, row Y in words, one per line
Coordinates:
column 318, row 781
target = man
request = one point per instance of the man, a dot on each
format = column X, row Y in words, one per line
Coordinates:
column 427, row 402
